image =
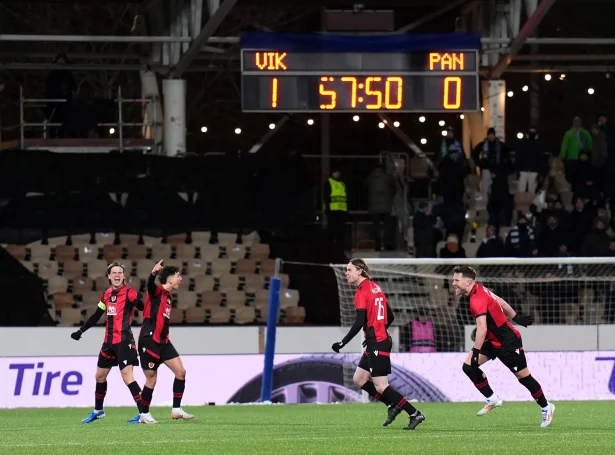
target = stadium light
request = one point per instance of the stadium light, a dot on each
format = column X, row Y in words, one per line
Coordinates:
column 562, row 77
column 356, row 118
column 441, row 123
column 519, row 135
column 396, row 124
column 380, row 125
column 547, row 77
column 525, row 88
column 310, row 122
column 203, row 129
column 272, row 126
column 482, row 109
column 590, row 91
column 422, row 119
column 423, row 141
column 444, row 133
column 462, row 116
column 237, row 130
column 510, row 93
column 111, row 130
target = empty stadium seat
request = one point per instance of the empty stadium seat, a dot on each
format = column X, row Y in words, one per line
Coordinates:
column 177, row 239
column 200, row 237
column 251, row 238
column 129, row 239
column 47, row 269
column 203, row 283
column 57, row 284
column 259, row 251
column 295, row 315
column 195, row 267
column 185, row 299
column 97, row 269
column 220, row 315
column 101, row 283
column 185, row 251
column 28, row 265
column 82, row 284
column 244, row 315
column 289, row 298
column 104, row 238
column 80, row 239
column 220, row 267
column 136, row 252
column 112, row 253
column 195, row 315
column 229, row 282
column 235, row 299
column 246, row 266
column 254, row 283
column 72, row 269
column 88, row 253
column 267, row 267
column 39, row 253
column 70, row 317
column 262, row 310
column 65, row 253
column 236, row 252
column 160, row 251
column 227, row 239
column 177, row 316
column 211, row 298
column 90, row 299
column 209, row 252
column 262, row 297
column 63, row 300
column 17, row 251
column 144, row 267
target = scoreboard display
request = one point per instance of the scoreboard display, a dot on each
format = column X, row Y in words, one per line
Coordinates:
column 323, row 78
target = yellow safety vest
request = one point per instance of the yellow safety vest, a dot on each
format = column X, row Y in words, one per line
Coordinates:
column 338, row 196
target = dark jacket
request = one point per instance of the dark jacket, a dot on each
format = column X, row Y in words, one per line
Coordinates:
column 381, row 192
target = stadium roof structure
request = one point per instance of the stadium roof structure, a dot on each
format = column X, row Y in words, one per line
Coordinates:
column 176, row 36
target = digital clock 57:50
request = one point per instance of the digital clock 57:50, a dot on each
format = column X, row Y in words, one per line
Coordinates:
column 376, row 93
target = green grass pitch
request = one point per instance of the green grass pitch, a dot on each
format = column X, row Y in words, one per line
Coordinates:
column 450, row 428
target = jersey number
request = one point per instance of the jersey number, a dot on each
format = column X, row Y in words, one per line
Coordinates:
column 378, row 302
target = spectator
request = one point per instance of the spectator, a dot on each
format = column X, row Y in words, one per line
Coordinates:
column 492, row 157
column 576, row 140
column 521, row 241
column 530, row 162
column 381, row 193
column 452, row 249
column 451, row 176
column 551, row 238
column 453, row 216
column 599, row 154
column 492, row 245
column 450, row 144
column 500, row 203
column 580, row 222
column 597, row 241
column 425, row 232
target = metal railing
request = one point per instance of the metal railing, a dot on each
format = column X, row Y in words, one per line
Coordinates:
column 120, row 124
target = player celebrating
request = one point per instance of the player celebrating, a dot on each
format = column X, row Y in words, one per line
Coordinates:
column 496, row 338
column 375, row 316
column 154, row 345
column 119, row 347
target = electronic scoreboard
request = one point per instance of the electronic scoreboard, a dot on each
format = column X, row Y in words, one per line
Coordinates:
column 337, row 73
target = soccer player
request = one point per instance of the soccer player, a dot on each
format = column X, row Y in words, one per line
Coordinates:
column 496, row 338
column 119, row 347
column 375, row 316
column 154, row 345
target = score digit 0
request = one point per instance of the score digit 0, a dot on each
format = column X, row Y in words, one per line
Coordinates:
column 448, row 82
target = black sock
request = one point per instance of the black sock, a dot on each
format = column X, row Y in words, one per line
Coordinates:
column 533, row 386
column 370, row 388
column 393, row 396
column 178, row 392
column 99, row 395
column 146, row 398
column 479, row 379
column 136, row 394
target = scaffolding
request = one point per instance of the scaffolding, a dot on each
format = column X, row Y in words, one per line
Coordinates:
column 146, row 141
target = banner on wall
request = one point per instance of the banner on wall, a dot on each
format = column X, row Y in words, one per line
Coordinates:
column 32, row 382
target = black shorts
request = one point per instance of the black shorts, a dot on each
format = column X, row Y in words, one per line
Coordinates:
column 377, row 358
column 511, row 355
column 153, row 354
column 120, row 354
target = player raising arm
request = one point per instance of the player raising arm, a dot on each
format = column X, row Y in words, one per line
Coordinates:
column 119, row 347
column 496, row 338
column 374, row 316
column 154, row 344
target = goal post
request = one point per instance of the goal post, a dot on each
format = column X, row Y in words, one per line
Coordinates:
column 560, row 290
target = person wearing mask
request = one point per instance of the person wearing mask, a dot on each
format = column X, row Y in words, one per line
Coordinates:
column 521, row 241
column 450, row 144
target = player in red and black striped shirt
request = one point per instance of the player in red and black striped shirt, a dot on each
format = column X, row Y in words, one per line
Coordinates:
column 375, row 316
column 496, row 338
column 154, row 344
column 119, row 347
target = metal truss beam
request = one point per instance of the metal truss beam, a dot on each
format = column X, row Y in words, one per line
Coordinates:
column 269, row 134
column 203, row 38
column 516, row 45
column 563, row 69
column 406, row 139
column 17, row 66
column 429, row 17
column 120, row 39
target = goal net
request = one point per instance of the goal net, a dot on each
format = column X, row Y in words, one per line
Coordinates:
column 419, row 291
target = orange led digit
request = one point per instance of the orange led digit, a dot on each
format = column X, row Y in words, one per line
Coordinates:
column 448, row 81
column 399, row 82
column 376, row 93
column 271, row 61
column 330, row 93
column 353, row 81
column 274, row 92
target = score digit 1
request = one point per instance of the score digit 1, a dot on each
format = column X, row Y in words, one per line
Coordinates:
column 274, row 92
